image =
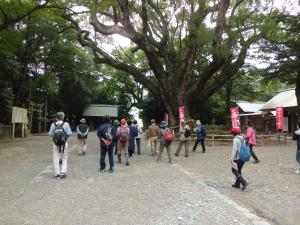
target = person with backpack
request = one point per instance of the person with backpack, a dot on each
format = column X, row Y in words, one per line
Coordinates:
column 133, row 132
column 201, row 134
column 138, row 137
column 250, row 137
column 296, row 137
column 153, row 134
column 60, row 131
column 116, row 125
column 236, row 160
column 82, row 134
column 166, row 138
column 106, row 135
column 123, row 136
column 185, row 134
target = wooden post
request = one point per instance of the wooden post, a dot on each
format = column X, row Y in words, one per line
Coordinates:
column 13, row 131
column 213, row 140
column 23, row 128
column 262, row 139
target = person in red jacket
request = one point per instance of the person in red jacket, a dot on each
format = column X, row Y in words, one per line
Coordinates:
column 250, row 137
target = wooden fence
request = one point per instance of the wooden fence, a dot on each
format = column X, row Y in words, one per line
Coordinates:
column 5, row 130
column 214, row 140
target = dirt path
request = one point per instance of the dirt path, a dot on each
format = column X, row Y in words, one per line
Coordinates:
column 195, row 190
column 273, row 192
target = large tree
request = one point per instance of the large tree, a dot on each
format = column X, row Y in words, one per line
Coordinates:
column 188, row 57
column 284, row 52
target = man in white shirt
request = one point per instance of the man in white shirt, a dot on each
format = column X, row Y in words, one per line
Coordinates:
column 60, row 131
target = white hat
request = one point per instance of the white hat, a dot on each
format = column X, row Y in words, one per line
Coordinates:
column 198, row 122
column 82, row 120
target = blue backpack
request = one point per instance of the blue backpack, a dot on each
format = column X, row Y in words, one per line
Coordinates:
column 244, row 151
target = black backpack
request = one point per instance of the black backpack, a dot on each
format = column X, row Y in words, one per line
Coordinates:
column 187, row 133
column 60, row 137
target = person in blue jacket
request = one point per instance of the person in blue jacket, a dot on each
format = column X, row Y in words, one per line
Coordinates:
column 106, row 135
column 133, row 132
column 201, row 134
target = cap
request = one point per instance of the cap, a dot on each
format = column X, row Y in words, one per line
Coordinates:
column 235, row 130
column 82, row 120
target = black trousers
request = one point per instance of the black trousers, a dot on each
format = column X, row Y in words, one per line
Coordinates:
column 238, row 173
column 252, row 152
column 196, row 144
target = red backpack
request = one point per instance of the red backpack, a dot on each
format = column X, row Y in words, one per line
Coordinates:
column 123, row 134
column 168, row 137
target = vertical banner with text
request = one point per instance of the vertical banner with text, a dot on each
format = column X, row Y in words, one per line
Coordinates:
column 279, row 118
column 181, row 113
column 235, row 120
column 167, row 118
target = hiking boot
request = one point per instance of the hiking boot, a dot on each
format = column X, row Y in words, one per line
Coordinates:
column 297, row 171
column 236, row 186
column 158, row 161
column 176, row 154
column 102, row 170
column 186, row 155
column 83, row 153
column 245, row 186
column 171, row 161
column 60, row 161
column 57, row 176
column 256, row 161
column 127, row 163
column 193, row 150
column 111, row 171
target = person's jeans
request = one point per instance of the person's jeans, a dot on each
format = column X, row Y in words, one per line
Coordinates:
column 196, row 144
column 110, row 150
column 138, row 145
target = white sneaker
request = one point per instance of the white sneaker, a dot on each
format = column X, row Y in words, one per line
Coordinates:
column 297, row 171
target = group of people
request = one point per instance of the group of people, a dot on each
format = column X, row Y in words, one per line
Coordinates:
column 122, row 136
column 119, row 136
column 159, row 134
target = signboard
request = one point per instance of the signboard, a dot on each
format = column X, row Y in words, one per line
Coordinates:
column 19, row 115
column 235, row 119
column 181, row 113
column 279, row 118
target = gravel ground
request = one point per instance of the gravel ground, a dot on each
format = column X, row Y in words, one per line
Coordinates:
column 195, row 190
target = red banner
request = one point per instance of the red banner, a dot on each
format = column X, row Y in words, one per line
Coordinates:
column 235, row 119
column 279, row 118
column 167, row 118
column 181, row 113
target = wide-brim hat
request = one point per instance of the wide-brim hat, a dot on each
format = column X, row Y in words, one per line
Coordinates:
column 163, row 124
column 82, row 120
